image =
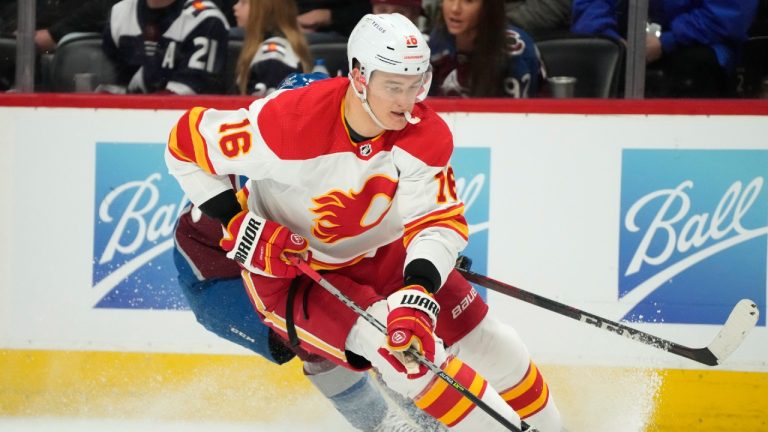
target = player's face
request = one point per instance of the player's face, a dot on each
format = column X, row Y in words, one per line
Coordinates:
column 392, row 95
column 462, row 16
column 242, row 9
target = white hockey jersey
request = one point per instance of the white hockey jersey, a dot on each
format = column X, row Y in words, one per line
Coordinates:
column 346, row 198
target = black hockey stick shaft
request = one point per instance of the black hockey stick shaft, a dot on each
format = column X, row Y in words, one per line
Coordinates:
column 317, row 277
column 701, row 355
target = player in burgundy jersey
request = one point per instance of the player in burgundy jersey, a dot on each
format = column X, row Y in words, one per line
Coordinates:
column 353, row 175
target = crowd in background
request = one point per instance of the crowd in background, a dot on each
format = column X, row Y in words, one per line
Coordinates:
column 480, row 48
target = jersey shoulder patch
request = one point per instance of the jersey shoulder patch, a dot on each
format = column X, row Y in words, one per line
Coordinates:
column 198, row 6
column 276, row 48
column 197, row 11
column 192, row 17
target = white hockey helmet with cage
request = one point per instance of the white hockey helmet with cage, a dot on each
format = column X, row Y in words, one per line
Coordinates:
column 390, row 43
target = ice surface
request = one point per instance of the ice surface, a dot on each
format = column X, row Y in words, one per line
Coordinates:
column 590, row 398
column 86, row 425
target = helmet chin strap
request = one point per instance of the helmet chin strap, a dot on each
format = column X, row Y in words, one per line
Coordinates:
column 364, row 99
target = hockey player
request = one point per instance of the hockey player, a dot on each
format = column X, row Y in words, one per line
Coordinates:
column 212, row 285
column 353, row 175
column 168, row 46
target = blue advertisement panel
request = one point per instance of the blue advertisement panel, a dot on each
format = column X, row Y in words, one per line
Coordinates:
column 136, row 206
column 137, row 203
column 472, row 168
column 693, row 233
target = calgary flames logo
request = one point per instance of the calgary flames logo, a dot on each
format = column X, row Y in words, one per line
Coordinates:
column 342, row 215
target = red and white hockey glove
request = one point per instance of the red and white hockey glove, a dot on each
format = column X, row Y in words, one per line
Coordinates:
column 260, row 244
column 410, row 322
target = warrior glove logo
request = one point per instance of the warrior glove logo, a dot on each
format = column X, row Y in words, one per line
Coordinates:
column 398, row 337
column 422, row 302
column 297, row 240
column 250, row 235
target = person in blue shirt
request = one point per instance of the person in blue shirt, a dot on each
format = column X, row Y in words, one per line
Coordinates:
column 475, row 53
column 695, row 50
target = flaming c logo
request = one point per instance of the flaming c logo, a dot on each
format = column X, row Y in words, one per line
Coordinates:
column 342, row 215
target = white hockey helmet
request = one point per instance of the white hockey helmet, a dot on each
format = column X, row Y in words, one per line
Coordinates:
column 389, row 43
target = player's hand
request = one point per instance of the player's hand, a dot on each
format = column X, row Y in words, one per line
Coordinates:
column 261, row 245
column 410, row 322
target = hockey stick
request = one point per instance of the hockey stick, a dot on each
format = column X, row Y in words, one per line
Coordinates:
column 741, row 320
column 307, row 270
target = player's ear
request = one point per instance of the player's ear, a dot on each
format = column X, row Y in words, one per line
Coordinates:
column 358, row 80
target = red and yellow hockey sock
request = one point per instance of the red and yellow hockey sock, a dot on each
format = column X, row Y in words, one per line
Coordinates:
column 530, row 395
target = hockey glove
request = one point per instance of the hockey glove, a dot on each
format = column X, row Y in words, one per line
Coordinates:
column 260, row 245
column 410, row 322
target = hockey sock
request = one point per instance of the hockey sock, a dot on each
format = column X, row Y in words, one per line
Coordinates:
column 352, row 394
column 451, row 408
column 499, row 354
column 530, row 398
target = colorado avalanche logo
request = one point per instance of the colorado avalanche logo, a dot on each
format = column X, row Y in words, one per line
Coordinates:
column 515, row 43
column 343, row 215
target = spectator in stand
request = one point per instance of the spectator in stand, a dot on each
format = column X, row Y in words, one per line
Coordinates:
column 759, row 25
column 410, row 9
column 88, row 17
column 694, row 52
column 330, row 20
column 274, row 46
column 168, row 46
column 475, row 53
column 540, row 17
column 46, row 13
column 56, row 18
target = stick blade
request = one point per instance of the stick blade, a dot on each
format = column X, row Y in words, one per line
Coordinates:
column 742, row 319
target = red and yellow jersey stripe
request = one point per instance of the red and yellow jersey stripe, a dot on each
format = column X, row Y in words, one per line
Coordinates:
column 451, row 218
column 280, row 323
column 187, row 144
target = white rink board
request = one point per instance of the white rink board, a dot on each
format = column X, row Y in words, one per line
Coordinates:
column 555, row 183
